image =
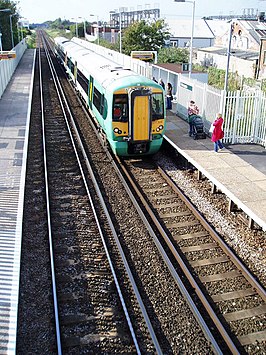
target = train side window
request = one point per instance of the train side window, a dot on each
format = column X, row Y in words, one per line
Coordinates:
column 83, row 81
column 120, row 108
column 70, row 65
column 99, row 101
column 157, row 106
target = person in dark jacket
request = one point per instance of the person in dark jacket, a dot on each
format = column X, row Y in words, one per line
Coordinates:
column 217, row 133
column 169, row 96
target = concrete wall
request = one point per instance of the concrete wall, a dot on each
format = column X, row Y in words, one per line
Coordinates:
column 241, row 66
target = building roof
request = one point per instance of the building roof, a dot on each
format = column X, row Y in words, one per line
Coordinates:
column 182, row 29
column 242, row 54
column 255, row 28
column 174, row 67
column 218, row 27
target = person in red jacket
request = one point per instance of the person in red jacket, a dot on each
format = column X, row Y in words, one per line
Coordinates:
column 217, row 133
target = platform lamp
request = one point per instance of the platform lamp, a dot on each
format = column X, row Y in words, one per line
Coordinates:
column 192, row 32
column 2, row 10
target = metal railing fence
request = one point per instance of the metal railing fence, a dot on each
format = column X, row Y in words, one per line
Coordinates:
column 244, row 112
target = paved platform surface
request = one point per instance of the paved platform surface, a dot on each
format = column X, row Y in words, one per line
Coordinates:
column 239, row 171
column 14, row 128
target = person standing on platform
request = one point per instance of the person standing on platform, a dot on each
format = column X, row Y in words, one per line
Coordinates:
column 217, row 133
column 169, row 96
column 162, row 83
column 192, row 111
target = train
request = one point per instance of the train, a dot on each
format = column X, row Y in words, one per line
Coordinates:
column 128, row 108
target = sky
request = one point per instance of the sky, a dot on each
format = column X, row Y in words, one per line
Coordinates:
column 38, row 11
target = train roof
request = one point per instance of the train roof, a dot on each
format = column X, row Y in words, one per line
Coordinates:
column 104, row 70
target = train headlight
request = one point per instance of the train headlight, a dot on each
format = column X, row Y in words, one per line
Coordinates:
column 117, row 130
column 160, row 128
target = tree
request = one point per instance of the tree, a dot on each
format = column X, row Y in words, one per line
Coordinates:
column 5, row 24
column 173, row 55
column 144, row 36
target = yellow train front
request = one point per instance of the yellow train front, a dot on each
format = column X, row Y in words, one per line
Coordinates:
column 129, row 108
column 138, row 118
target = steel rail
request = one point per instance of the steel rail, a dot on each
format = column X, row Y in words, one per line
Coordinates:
column 98, row 191
column 50, row 237
column 261, row 291
column 194, row 284
column 188, row 274
column 169, row 264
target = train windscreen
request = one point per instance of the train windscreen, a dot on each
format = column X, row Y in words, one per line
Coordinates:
column 120, row 108
column 157, row 105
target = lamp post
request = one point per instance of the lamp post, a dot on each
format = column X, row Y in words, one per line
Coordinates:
column 120, row 32
column 192, row 33
column 228, row 56
column 84, row 27
column 98, row 39
column 76, row 21
column 1, row 48
column 11, row 30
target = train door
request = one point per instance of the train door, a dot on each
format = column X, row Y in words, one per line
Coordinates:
column 139, row 115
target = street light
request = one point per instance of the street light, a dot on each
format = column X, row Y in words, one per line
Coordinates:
column 11, row 30
column 192, row 33
column 98, row 39
column 75, row 19
column 84, row 27
column 2, row 10
column 228, row 56
column 120, row 32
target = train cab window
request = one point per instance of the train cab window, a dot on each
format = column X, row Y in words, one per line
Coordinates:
column 157, row 106
column 117, row 112
column 120, row 108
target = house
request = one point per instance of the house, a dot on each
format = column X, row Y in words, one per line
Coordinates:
column 262, row 59
column 181, row 33
column 247, row 46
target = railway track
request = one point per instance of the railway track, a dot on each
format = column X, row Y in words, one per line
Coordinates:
column 87, row 305
column 231, row 295
column 176, row 324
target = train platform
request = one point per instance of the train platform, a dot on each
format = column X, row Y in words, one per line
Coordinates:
column 238, row 171
column 14, row 129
